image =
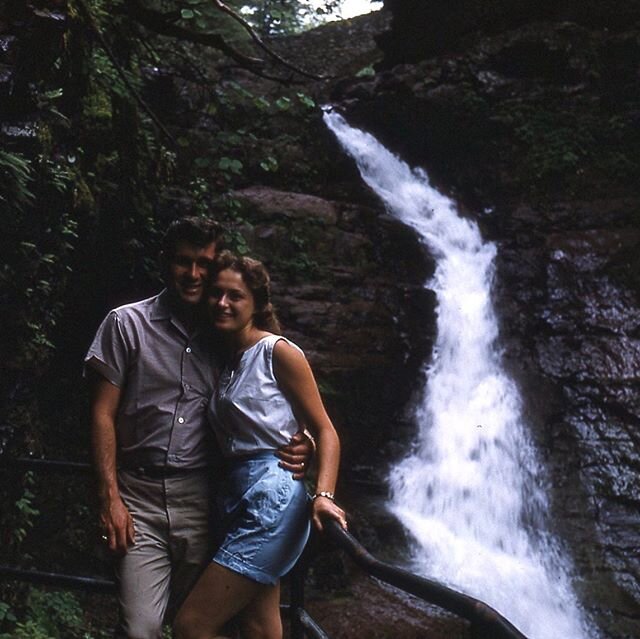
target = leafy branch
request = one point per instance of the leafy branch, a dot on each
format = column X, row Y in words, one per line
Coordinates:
column 258, row 40
column 86, row 14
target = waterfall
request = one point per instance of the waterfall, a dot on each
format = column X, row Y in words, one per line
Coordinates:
column 469, row 491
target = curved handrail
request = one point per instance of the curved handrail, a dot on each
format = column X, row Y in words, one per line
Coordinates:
column 481, row 615
column 485, row 620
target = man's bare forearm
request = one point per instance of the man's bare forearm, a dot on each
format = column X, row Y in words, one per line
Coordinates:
column 105, row 400
column 103, row 440
column 114, row 515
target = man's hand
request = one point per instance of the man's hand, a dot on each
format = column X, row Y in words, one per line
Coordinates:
column 296, row 455
column 117, row 525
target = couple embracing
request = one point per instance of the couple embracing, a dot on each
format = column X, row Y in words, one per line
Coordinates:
column 199, row 409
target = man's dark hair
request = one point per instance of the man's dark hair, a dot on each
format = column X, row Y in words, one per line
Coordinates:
column 199, row 231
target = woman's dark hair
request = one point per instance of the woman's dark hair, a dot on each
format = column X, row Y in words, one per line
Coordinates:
column 257, row 280
column 199, row 231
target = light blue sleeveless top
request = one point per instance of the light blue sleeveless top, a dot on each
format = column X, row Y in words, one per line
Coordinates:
column 248, row 412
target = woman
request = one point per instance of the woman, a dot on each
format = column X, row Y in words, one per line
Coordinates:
column 265, row 390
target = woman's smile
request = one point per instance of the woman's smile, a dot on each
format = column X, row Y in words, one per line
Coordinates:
column 231, row 302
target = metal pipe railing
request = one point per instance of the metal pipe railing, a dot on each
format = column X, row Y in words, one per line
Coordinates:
column 485, row 621
column 56, row 465
column 93, row 584
column 311, row 628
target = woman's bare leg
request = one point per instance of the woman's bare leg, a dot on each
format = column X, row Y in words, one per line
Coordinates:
column 261, row 618
column 217, row 596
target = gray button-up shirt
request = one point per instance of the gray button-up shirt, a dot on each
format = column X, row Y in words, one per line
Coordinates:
column 166, row 377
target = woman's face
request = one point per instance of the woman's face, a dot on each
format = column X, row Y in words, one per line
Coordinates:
column 231, row 303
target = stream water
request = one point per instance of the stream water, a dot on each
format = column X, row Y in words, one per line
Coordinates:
column 469, row 492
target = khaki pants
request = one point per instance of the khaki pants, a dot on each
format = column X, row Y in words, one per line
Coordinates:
column 173, row 544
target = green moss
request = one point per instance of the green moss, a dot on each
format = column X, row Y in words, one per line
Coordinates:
column 82, row 196
column 571, row 148
column 97, row 107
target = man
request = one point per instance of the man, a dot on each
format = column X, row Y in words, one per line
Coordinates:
column 152, row 365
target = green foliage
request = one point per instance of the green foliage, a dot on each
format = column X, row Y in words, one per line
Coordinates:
column 293, row 256
column 562, row 147
column 15, row 181
column 240, row 145
column 283, row 103
column 229, row 167
column 269, row 164
column 34, row 274
column 6, row 613
column 19, row 513
column 202, row 16
column 553, row 147
column 306, row 100
column 97, row 107
column 236, row 224
column 278, row 17
column 46, row 615
column 301, row 264
column 366, row 72
column 25, row 511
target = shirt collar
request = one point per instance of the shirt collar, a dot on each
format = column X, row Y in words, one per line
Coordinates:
column 160, row 309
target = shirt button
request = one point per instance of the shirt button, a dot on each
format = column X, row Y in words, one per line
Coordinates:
column 180, row 420
column 188, row 349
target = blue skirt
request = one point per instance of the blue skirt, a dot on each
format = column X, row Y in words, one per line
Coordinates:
column 264, row 517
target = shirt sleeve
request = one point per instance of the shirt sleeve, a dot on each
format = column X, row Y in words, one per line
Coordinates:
column 109, row 353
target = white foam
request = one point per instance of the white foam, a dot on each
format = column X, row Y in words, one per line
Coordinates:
column 470, row 492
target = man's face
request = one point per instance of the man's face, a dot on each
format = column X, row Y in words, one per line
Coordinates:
column 188, row 271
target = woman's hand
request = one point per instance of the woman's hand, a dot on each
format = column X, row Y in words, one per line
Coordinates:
column 325, row 508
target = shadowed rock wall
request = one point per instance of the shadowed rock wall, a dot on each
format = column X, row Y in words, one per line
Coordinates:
column 528, row 115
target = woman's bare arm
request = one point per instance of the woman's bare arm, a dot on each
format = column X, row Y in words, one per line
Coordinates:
column 295, row 377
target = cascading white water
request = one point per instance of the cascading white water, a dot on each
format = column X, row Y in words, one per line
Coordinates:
column 469, row 491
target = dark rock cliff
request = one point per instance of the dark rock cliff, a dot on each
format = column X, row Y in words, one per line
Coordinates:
column 528, row 115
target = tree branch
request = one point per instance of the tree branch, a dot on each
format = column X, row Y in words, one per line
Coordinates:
column 258, row 40
column 163, row 24
column 120, row 71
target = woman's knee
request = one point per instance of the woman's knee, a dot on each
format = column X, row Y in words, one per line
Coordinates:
column 188, row 624
column 262, row 628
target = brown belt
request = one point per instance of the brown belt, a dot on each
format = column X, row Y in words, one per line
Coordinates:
column 162, row 472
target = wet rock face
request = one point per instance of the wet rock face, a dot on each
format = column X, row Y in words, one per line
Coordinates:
column 543, row 107
column 571, row 319
column 347, row 284
column 519, row 122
